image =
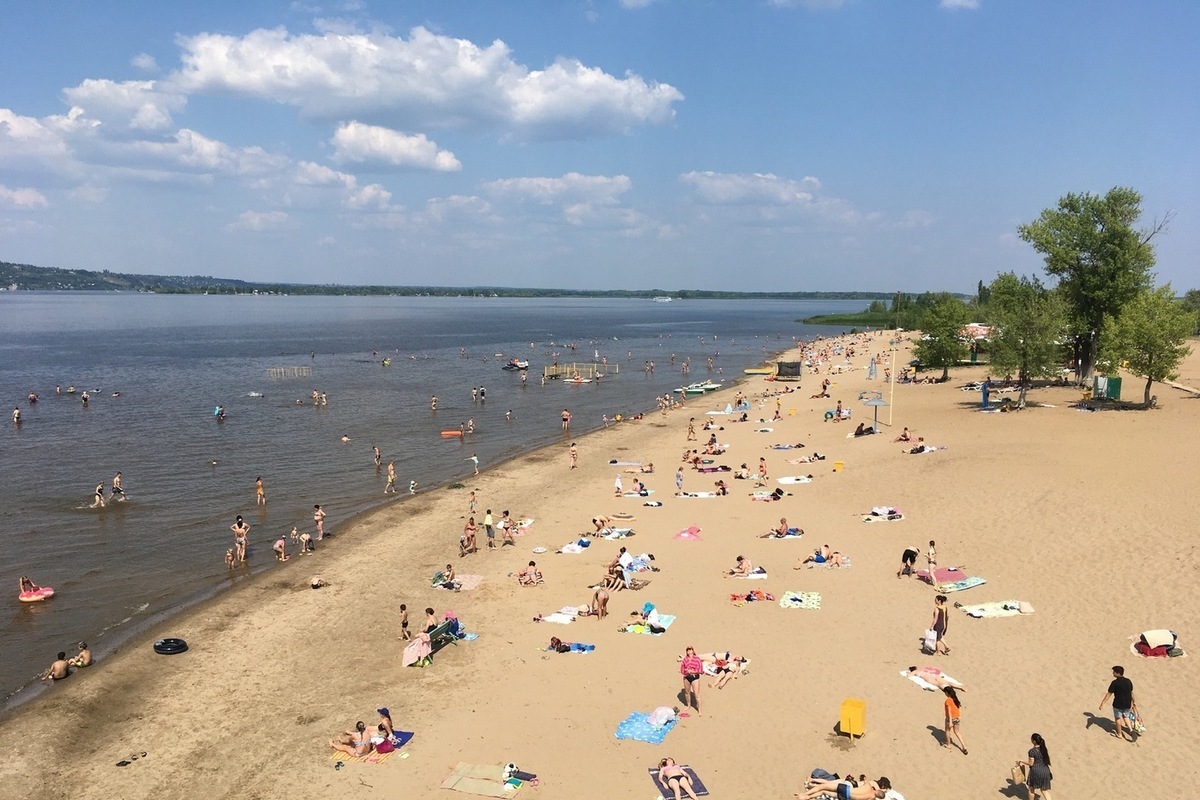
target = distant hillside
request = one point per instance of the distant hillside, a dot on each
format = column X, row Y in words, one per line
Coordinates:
column 30, row 278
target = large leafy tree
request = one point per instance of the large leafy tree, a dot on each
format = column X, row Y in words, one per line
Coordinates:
column 1150, row 336
column 1191, row 302
column 1028, row 321
column 1100, row 259
column 942, row 323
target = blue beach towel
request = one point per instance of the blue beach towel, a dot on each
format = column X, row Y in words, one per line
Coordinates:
column 637, row 727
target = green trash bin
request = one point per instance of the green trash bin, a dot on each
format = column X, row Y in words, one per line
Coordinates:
column 1114, row 388
column 1107, row 387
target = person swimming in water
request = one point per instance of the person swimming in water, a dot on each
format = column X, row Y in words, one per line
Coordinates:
column 118, row 491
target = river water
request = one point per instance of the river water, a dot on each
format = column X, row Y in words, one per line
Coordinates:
column 157, row 365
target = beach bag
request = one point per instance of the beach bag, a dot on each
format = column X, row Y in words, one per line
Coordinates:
column 930, row 641
column 1018, row 774
column 385, row 746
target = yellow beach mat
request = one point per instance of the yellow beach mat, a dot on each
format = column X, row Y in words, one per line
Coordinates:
column 486, row 780
column 370, row 758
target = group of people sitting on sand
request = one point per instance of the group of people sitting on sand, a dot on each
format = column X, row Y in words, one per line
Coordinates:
column 62, row 665
column 362, row 742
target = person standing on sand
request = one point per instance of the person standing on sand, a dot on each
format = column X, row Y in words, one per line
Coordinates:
column 1123, row 705
column 940, row 624
column 404, row 634
column 691, row 434
column 953, row 708
column 1037, row 769
column 319, row 518
column 489, row 529
column 600, row 602
column 679, row 481
column 931, row 560
column 391, row 478
column 691, row 667
column 574, row 455
column 260, row 491
column 618, row 487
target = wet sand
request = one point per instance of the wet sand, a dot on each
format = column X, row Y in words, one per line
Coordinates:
column 1080, row 514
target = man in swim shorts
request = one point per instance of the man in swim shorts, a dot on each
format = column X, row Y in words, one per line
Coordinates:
column 59, row 669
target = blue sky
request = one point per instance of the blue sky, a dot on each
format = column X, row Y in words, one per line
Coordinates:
column 792, row 145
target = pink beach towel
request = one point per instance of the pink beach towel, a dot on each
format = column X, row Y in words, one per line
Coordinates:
column 691, row 534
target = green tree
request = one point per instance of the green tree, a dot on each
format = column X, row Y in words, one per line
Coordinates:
column 1150, row 336
column 942, row 322
column 1100, row 259
column 1028, row 321
column 1191, row 301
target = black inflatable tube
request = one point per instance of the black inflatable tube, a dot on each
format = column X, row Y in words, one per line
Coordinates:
column 170, row 647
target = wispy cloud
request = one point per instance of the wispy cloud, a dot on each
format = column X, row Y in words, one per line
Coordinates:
column 22, row 199
column 958, row 5
column 260, row 221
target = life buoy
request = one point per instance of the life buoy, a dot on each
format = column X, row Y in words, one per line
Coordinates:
column 170, row 647
column 451, row 434
column 37, row 595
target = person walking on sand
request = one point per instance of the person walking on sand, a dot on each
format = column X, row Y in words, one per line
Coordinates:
column 391, row 478
column 762, row 472
column 241, row 534
column 1123, row 705
column 691, row 434
column 679, row 481
column 940, row 624
column 319, row 518
column 574, row 455
column 953, row 708
column 1037, row 769
column 489, row 529
column 931, row 560
column 691, row 668
column 260, row 491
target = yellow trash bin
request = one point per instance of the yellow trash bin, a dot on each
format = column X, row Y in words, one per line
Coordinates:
column 853, row 717
column 791, row 412
column 838, row 466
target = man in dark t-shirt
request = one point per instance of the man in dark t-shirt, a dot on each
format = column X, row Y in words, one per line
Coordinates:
column 1123, row 705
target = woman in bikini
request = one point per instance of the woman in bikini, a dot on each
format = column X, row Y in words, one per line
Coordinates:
column 355, row 743
column 691, row 667
column 674, row 778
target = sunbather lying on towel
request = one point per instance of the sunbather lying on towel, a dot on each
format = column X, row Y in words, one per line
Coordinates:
column 822, row 555
column 843, row 790
column 356, row 742
column 807, row 459
column 530, row 575
column 936, row 677
column 674, row 778
column 726, row 666
column 648, row 616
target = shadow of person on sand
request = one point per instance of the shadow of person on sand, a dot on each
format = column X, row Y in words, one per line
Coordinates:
column 1016, row 790
column 937, row 733
column 1107, row 725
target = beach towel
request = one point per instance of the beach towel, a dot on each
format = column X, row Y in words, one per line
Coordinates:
column 755, row 596
column 617, row 533
column 757, row 574
column 559, row 617
column 644, row 493
column 616, row 463
column 1003, row 608
column 793, row 479
column 809, row 600
column 664, row 621
column 764, row 430
column 697, row 785
column 370, row 758
column 792, row 533
column 416, row 651
column 575, row 647
column 486, row 780
column 883, row 517
column 468, row 582
column 722, row 468
column 638, row 728
column 1140, row 646
column 653, row 504
column 691, row 534
column 698, row 494
column 924, row 684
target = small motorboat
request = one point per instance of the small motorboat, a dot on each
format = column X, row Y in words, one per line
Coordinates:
column 516, row 363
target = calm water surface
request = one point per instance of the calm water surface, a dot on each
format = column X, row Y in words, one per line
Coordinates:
column 173, row 358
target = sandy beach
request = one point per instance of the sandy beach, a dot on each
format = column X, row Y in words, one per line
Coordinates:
column 1081, row 515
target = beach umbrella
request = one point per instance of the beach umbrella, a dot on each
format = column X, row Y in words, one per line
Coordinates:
column 876, row 402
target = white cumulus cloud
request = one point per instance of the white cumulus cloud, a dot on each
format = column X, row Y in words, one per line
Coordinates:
column 371, row 196
column 23, row 199
column 956, row 5
column 132, row 105
column 145, row 62
column 771, row 198
column 425, row 81
column 358, row 143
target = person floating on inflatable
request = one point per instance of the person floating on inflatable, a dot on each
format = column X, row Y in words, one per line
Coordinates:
column 31, row 592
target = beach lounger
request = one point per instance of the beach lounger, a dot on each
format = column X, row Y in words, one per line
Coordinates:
column 697, row 785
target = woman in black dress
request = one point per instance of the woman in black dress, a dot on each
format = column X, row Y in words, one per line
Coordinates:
column 1038, row 775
